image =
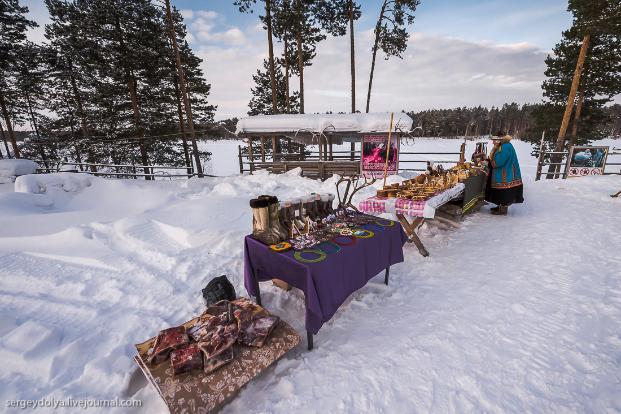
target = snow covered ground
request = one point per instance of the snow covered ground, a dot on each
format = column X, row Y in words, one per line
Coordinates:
column 508, row 314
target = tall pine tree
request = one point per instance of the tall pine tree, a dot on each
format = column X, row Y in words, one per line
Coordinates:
column 13, row 27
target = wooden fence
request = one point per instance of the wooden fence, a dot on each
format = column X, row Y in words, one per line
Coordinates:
column 323, row 164
column 116, row 170
column 559, row 159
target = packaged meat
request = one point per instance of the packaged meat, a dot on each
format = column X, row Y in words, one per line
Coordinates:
column 215, row 362
column 205, row 325
column 167, row 341
column 219, row 339
column 186, row 359
column 256, row 331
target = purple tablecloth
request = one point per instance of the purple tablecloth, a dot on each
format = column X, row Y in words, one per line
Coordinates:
column 344, row 266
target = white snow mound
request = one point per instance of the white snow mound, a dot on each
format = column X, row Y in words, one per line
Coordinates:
column 376, row 122
column 14, row 168
column 45, row 183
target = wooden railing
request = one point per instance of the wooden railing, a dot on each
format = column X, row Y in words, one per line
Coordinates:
column 116, row 170
column 323, row 164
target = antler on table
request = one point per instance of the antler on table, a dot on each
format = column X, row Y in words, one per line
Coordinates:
column 346, row 200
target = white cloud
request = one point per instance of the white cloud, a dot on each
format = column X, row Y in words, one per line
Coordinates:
column 204, row 26
column 187, row 14
column 207, row 14
column 435, row 72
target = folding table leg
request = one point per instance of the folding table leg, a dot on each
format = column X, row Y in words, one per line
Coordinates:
column 418, row 221
column 257, row 288
column 386, row 276
column 309, row 338
column 410, row 230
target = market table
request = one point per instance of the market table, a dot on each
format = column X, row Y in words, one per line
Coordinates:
column 329, row 272
column 418, row 209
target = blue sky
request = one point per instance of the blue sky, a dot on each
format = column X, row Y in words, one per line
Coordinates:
column 466, row 52
column 503, row 21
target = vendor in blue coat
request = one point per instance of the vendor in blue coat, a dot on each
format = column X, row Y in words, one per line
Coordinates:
column 504, row 184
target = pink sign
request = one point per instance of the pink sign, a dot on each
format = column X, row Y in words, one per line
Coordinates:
column 375, row 148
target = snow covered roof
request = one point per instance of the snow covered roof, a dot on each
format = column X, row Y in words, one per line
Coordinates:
column 326, row 123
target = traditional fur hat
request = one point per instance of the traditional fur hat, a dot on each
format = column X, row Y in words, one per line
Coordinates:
column 505, row 138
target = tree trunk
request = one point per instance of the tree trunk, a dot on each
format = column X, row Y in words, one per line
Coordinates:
column 352, row 65
column 132, row 86
column 287, row 98
column 298, row 37
column 560, row 141
column 184, row 92
column 133, row 94
column 270, row 49
column 33, row 121
column 7, row 121
column 352, row 56
column 184, row 141
column 375, row 47
column 82, row 115
column 577, row 115
column 6, row 144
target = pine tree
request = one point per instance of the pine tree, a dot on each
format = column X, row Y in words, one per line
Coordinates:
column 391, row 35
column 593, row 19
column 261, row 102
column 599, row 83
column 13, row 27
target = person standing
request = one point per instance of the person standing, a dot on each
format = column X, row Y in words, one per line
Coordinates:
column 504, row 184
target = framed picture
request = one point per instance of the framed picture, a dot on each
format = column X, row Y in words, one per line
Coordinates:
column 586, row 160
column 375, row 148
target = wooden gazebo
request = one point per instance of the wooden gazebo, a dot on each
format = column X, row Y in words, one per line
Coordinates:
column 278, row 142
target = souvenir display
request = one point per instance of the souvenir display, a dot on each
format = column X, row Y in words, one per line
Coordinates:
column 207, row 343
column 435, row 181
column 308, row 221
column 281, row 247
column 167, row 341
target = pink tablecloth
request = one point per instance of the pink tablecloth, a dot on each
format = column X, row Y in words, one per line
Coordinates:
column 426, row 209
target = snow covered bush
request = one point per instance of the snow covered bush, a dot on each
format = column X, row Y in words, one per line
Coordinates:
column 45, row 183
column 11, row 168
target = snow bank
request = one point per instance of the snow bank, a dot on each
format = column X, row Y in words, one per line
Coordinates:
column 316, row 123
column 46, row 183
column 16, row 167
column 508, row 315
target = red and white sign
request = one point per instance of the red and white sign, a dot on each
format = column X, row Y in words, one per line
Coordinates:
column 375, row 148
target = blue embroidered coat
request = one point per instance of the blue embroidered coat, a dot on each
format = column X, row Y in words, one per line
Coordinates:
column 505, row 167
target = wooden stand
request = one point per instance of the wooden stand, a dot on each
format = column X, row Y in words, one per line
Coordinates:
column 410, row 231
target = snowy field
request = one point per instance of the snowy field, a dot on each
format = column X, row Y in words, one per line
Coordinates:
column 509, row 314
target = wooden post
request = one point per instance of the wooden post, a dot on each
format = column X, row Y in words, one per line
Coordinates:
column 320, row 146
column 273, row 148
column 388, row 148
column 540, row 158
column 250, row 149
column 462, row 153
column 330, row 145
column 262, row 149
column 241, row 162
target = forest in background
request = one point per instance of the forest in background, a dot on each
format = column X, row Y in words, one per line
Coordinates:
column 105, row 86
